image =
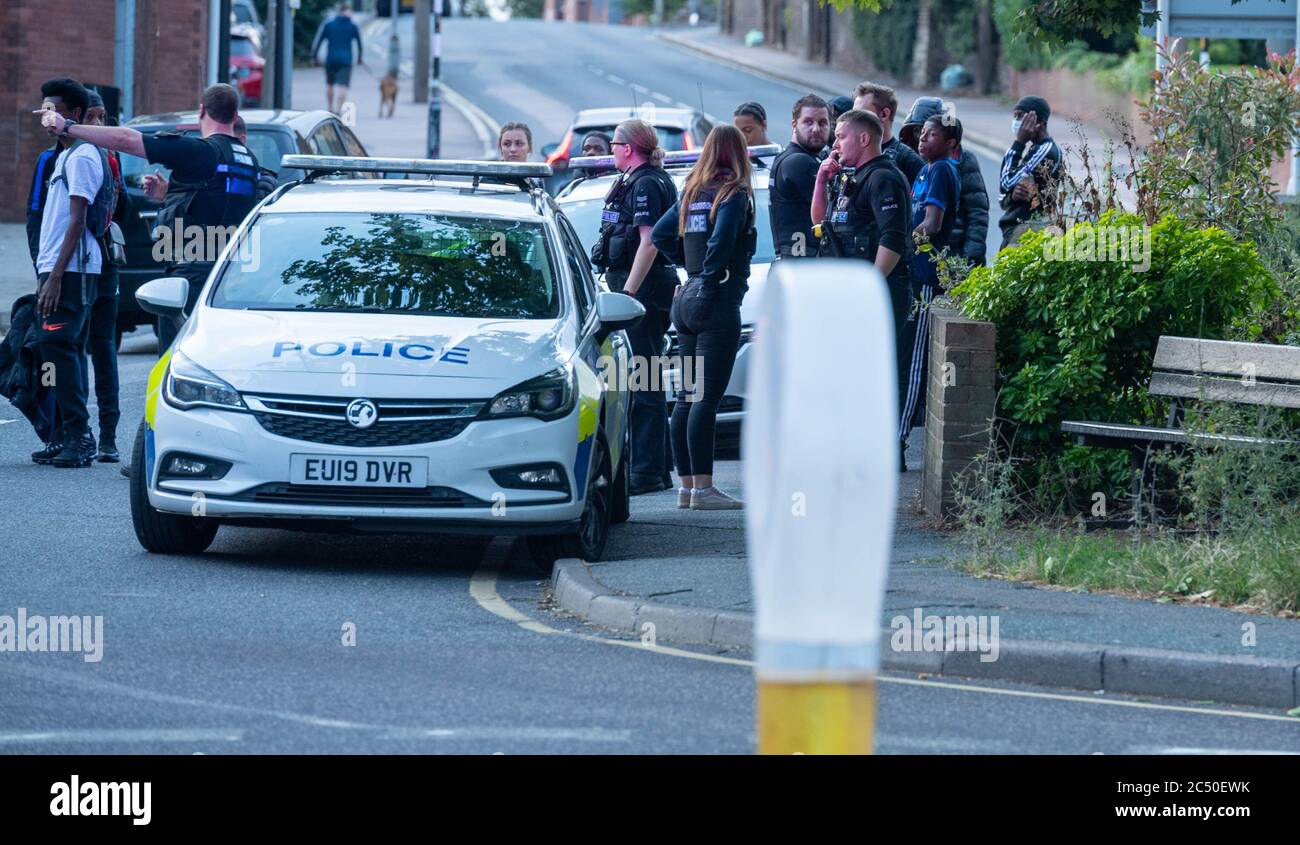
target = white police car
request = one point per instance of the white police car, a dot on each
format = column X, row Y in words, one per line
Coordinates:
column 392, row 355
column 582, row 202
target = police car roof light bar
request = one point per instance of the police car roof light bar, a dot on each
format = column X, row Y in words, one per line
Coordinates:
column 487, row 171
column 675, row 157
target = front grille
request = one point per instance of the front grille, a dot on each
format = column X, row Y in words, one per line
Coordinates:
column 401, row 422
column 369, row 497
column 340, row 432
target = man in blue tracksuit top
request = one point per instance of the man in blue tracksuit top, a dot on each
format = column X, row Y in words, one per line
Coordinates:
column 338, row 33
column 936, row 194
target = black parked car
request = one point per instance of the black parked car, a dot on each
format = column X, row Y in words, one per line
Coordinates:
column 271, row 134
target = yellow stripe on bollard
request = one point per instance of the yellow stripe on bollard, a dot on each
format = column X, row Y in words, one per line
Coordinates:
column 816, row 718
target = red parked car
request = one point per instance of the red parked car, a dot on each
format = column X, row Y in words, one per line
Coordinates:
column 246, row 70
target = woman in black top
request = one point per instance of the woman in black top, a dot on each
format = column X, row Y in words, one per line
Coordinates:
column 710, row 232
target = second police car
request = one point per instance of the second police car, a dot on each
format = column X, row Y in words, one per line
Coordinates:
column 383, row 355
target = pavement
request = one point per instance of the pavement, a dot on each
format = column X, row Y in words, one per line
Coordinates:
column 687, row 573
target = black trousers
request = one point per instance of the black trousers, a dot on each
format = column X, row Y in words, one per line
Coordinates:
column 710, row 355
column 905, row 317
column 60, row 343
column 101, row 343
column 648, row 418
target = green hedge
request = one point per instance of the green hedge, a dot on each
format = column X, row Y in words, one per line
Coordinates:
column 1076, row 337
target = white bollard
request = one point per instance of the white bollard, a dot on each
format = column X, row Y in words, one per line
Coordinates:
column 821, row 487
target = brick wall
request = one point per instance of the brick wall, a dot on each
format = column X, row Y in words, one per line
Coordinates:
column 960, row 401
column 43, row 39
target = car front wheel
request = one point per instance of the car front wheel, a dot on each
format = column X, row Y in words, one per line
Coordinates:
column 158, row 532
column 588, row 543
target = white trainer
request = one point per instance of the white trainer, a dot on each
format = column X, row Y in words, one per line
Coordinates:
column 713, row 499
column 683, row 497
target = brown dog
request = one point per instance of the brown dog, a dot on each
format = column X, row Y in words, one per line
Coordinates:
column 388, row 94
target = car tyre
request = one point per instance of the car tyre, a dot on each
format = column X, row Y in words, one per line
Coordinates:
column 158, row 532
column 588, row 542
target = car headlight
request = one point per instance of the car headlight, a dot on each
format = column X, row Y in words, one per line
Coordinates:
column 546, row 397
column 188, row 385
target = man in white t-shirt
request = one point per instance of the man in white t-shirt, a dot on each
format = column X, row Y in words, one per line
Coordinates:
column 67, row 263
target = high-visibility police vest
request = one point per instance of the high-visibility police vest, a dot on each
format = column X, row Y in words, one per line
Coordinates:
column 224, row 199
column 619, row 239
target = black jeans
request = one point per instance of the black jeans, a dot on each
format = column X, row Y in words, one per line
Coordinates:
column 708, row 335
column 101, row 343
column 60, row 343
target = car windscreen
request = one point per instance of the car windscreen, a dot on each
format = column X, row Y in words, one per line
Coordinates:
column 264, row 143
column 585, row 217
column 242, row 47
column 670, row 137
column 391, row 263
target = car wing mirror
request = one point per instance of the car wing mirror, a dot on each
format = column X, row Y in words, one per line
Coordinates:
column 615, row 312
column 166, row 297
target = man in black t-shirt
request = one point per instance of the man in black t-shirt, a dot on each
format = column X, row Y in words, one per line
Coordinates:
column 794, row 172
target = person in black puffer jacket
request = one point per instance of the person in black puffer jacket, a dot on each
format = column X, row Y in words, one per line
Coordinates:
column 970, row 231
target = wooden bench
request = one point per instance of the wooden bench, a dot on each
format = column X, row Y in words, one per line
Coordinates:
column 1188, row 368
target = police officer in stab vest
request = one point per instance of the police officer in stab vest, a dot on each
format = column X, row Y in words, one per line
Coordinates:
column 709, row 231
column 213, row 181
column 632, row 264
column 870, row 220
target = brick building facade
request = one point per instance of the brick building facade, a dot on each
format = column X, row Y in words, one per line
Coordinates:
column 48, row 38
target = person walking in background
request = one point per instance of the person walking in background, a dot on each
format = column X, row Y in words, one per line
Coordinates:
column 970, row 231
column 1030, row 168
column 709, row 231
column 794, row 172
column 338, row 34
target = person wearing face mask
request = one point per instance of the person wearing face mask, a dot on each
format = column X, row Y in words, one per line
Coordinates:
column 632, row 264
column 1030, row 168
column 794, row 171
